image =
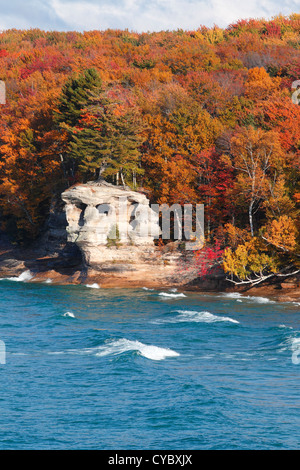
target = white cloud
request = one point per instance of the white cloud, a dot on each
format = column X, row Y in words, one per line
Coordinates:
column 164, row 14
column 138, row 15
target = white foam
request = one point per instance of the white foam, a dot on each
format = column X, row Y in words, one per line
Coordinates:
column 69, row 314
column 48, row 281
column 295, row 348
column 197, row 317
column 295, row 344
column 149, row 351
column 239, row 297
column 261, row 300
column 147, row 288
column 233, row 295
column 120, row 346
column 206, row 317
column 25, row 276
column 171, row 295
column 291, row 343
column 93, row 286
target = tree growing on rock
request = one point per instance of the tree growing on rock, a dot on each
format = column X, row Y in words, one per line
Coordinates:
column 107, row 139
column 71, row 105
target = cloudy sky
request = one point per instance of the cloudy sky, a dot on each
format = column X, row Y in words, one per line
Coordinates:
column 135, row 15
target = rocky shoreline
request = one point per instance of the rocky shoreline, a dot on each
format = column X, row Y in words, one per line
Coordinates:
column 76, row 248
column 66, row 268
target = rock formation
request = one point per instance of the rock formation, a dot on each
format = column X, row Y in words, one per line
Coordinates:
column 101, row 234
column 109, row 223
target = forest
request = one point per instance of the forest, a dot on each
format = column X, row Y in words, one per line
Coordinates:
column 209, row 116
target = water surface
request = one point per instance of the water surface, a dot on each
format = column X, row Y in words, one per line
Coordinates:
column 92, row 368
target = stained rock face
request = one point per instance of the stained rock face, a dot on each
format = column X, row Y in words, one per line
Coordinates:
column 109, row 222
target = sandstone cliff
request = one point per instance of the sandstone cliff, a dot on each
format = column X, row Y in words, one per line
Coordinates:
column 115, row 229
column 104, row 234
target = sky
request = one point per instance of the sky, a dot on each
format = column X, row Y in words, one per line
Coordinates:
column 135, row 15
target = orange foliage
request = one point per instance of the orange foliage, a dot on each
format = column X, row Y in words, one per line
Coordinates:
column 192, row 88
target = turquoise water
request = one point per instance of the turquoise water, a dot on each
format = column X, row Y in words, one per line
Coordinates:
column 88, row 368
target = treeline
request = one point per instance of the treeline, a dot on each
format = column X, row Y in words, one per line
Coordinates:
column 201, row 116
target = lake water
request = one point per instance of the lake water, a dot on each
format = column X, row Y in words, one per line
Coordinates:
column 92, row 368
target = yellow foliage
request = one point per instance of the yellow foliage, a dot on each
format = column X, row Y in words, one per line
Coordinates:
column 235, row 235
column 260, row 85
column 292, row 38
column 248, row 259
column 278, row 201
column 282, row 233
column 214, row 35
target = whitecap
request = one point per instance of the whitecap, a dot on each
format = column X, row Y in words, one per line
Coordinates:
column 48, row 281
column 295, row 345
column 291, row 343
column 295, row 349
column 197, row 317
column 261, row 300
column 69, row 314
column 239, row 298
column 171, row 295
column 147, row 288
column 206, row 317
column 233, row 295
column 93, row 286
column 123, row 345
column 24, row 276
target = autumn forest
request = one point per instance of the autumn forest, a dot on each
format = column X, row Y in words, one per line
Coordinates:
column 203, row 116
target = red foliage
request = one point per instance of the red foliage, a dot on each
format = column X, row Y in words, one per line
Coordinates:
column 207, row 259
column 192, row 88
column 272, row 29
column 216, row 182
column 42, row 64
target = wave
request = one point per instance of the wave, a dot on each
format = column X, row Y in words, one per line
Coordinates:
column 120, row 346
column 261, row 300
column 24, row 276
column 93, row 286
column 290, row 343
column 123, row 345
column 239, row 297
column 171, row 295
column 69, row 314
column 295, row 348
column 232, row 295
column 147, row 288
column 197, row 317
column 295, row 344
column 206, row 317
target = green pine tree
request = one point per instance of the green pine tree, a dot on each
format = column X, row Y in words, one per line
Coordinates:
column 75, row 96
column 71, row 105
column 106, row 142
